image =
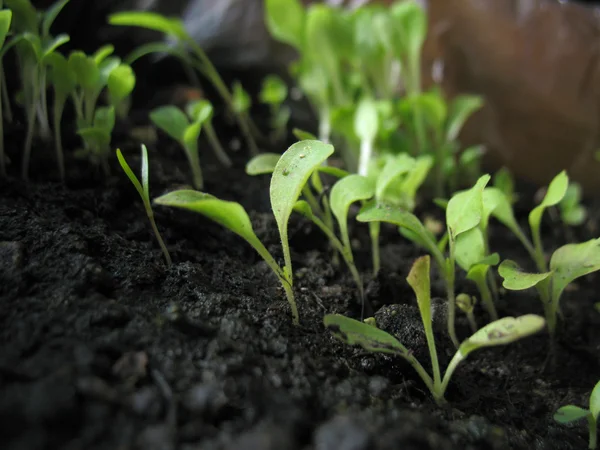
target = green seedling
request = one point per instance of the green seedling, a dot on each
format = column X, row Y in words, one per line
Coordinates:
column 273, row 93
column 176, row 124
column 290, row 175
column 143, row 189
column 202, row 111
column 572, row 413
column 568, row 263
column 120, row 84
column 366, row 126
column 466, row 303
column 97, row 138
column 372, row 339
column 463, row 213
column 572, row 212
column 188, row 51
column 5, row 21
column 34, row 46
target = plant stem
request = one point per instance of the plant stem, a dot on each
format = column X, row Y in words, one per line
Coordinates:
column 28, row 143
column 593, row 426
column 5, row 97
column 374, row 228
column 161, row 243
column 366, row 150
column 57, row 114
column 454, row 362
column 2, row 160
column 216, row 145
column 194, row 161
column 438, row 395
column 486, row 297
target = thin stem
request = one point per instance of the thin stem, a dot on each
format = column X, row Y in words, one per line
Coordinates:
column 366, row 150
column 161, row 243
column 194, row 161
column 218, row 149
column 374, row 228
column 486, row 297
column 435, row 365
column 5, row 96
column 471, row 320
column 449, row 273
column 28, row 143
column 457, row 358
column 593, row 426
column 2, row 157
column 289, row 292
column 57, row 114
column 437, row 395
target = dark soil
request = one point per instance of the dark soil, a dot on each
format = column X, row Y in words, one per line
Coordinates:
column 104, row 347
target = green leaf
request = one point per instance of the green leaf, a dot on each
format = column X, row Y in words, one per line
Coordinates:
column 230, row 215
column 572, row 261
column 104, row 118
column 517, row 280
column 62, row 77
column 274, row 91
column 302, row 135
column 291, row 174
column 285, row 20
column 171, row 120
column 469, row 248
column 262, row 164
column 556, row 191
column 200, row 110
column 302, row 207
column 96, row 137
column 570, row 413
column 461, row 109
column 24, row 16
column 50, row 46
column 403, row 219
column 85, row 69
column 5, row 20
column 50, row 16
column 411, row 27
column 595, row 401
column 152, row 21
column 503, row 331
column 502, row 210
column 394, row 168
column 465, row 208
column 121, row 82
column 102, row 53
column 132, row 177
column 346, row 191
column 191, row 135
column 366, row 120
column 419, row 280
column 241, row 99
column 372, row 339
column 416, row 177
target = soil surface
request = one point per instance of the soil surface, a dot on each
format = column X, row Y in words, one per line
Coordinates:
column 102, row 346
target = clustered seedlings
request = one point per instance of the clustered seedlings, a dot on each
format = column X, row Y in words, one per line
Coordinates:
column 500, row 332
column 572, row 413
column 350, row 66
column 143, row 189
column 184, row 47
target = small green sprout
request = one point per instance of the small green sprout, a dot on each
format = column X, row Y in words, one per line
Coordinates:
column 273, row 93
column 571, row 211
column 120, row 84
column 202, row 111
column 366, row 126
column 372, row 339
column 97, row 137
column 176, row 124
column 188, row 51
column 466, row 303
column 568, row 263
column 143, row 189
column 572, row 413
column 290, row 175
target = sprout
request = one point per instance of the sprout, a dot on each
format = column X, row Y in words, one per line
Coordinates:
column 290, row 175
column 372, row 339
column 572, row 413
column 273, row 93
column 174, row 122
column 202, row 111
column 5, row 21
column 98, row 136
column 143, row 189
column 120, row 83
column 188, row 51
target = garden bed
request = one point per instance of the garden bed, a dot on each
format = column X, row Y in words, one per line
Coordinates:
column 104, row 347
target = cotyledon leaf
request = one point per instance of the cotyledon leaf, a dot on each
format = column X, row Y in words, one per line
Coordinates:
column 572, row 261
column 372, row 339
column 517, row 280
column 346, row 191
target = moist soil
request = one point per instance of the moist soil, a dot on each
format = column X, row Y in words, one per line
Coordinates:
column 105, row 347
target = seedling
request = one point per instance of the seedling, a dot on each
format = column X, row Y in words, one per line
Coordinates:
column 568, row 263
column 5, row 20
column 185, row 48
column 372, row 339
column 290, row 175
column 572, row 413
column 202, row 111
column 572, row 212
column 143, row 189
column 120, row 84
column 274, row 93
column 463, row 214
column 174, row 122
column 466, row 303
column 97, row 138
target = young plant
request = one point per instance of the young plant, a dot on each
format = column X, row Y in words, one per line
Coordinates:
column 572, row 413
column 290, row 175
column 120, row 84
column 463, row 214
column 372, row 339
column 572, row 212
column 568, row 263
column 34, row 45
column 466, row 304
column 97, row 138
column 176, row 124
column 202, row 111
column 273, row 94
column 143, row 189
column 5, row 21
column 185, row 48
